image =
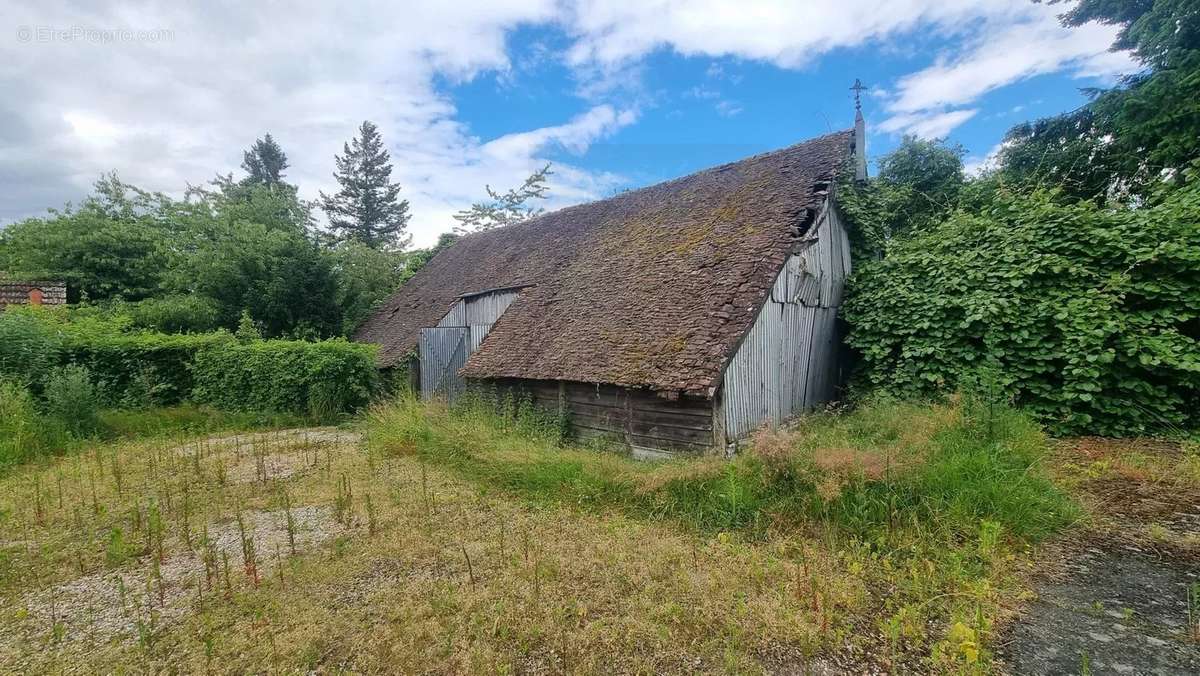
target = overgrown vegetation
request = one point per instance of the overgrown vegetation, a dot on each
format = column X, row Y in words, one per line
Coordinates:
column 322, row 380
column 889, row 462
column 883, row 535
column 894, row 486
column 23, row 435
column 69, row 376
column 1088, row 315
column 1069, row 270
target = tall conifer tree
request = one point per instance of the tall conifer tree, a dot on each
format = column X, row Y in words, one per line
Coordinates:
column 367, row 206
column 264, row 163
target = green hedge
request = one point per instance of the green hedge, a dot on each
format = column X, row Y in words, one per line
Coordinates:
column 318, row 379
column 139, row 369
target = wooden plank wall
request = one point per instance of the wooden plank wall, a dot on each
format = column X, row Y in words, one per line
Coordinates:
column 638, row 418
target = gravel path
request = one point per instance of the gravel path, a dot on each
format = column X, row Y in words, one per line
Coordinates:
column 1114, row 599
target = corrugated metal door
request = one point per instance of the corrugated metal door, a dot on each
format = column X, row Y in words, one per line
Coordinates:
column 443, row 351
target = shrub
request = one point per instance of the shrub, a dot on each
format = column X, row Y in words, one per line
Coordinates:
column 29, row 346
column 322, row 379
column 175, row 314
column 72, row 399
column 1089, row 316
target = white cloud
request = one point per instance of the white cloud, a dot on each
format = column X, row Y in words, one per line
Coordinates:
column 703, row 93
column 976, row 165
column 178, row 110
column 727, row 108
column 928, row 102
column 787, row 33
column 575, row 136
column 927, row 125
column 1014, row 53
column 181, row 107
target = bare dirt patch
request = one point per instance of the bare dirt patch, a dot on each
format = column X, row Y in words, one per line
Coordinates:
column 122, row 603
column 268, row 456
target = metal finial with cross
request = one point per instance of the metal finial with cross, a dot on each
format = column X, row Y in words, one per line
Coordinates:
column 858, row 90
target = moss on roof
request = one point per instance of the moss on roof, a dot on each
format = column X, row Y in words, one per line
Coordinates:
column 651, row 288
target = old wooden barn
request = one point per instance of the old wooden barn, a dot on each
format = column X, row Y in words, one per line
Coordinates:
column 678, row 317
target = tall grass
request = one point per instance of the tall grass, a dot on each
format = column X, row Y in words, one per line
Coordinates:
column 18, row 424
column 947, row 466
column 889, row 464
column 24, row 434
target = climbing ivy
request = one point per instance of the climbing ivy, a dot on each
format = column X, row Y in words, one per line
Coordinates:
column 1090, row 317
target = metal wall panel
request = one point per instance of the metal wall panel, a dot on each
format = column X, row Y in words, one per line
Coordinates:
column 787, row 363
column 469, row 321
column 486, row 308
column 457, row 316
column 443, row 351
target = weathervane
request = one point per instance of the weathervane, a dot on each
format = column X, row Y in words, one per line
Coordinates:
column 858, row 90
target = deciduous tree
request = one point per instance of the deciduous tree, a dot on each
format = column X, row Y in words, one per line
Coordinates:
column 511, row 207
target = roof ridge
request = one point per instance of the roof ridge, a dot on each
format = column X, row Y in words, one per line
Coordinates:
column 687, row 177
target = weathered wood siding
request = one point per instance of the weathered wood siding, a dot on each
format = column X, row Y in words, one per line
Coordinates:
column 789, row 360
column 641, row 420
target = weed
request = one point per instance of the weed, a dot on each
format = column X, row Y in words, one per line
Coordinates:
column 115, row 550
column 343, row 502
column 249, row 557
column 155, row 531
column 290, row 522
column 72, row 399
column 21, row 433
column 470, row 568
column 670, row 567
column 372, row 516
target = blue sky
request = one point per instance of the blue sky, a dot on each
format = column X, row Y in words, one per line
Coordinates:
column 615, row 94
column 698, row 111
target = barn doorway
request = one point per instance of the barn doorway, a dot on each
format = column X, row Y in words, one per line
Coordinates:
column 443, row 351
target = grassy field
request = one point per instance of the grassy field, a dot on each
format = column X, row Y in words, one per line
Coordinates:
column 421, row 539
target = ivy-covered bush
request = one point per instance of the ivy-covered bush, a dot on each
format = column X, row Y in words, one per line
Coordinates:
column 1089, row 317
column 318, row 379
column 140, row 369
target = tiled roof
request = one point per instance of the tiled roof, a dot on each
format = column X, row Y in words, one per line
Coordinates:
column 653, row 287
column 17, row 293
